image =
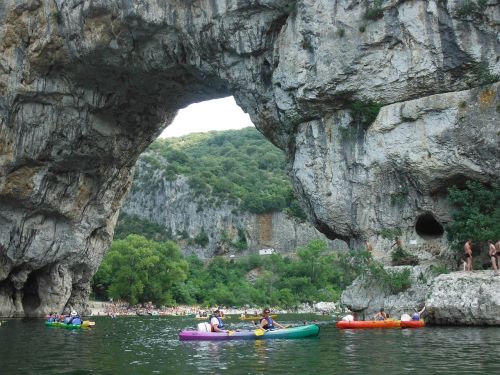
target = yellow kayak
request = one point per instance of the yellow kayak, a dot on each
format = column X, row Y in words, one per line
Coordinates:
column 256, row 317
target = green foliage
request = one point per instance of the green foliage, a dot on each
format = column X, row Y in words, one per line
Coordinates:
column 390, row 234
column 128, row 224
column 292, row 7
column 401, row 257
column 471, row 7
column 239, row 167
column 365, row 111
column 397, row 199
column 482, row 74
column 362, row 28
column 341, row 33
column 132, row 271
column 439, row 269
column 202, row 239
column 395, row 281
column 57, row 17
column 474, row 214
column 374, row 10
column 241, row 242
column 139, row 270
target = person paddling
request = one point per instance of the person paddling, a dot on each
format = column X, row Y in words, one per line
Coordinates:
column 267, row 323
column 216, row 323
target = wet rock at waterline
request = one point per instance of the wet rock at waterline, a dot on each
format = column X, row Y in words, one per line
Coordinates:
column 456, row 298
column 85, row 86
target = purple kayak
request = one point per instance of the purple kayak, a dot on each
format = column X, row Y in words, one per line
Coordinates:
column 288, row 333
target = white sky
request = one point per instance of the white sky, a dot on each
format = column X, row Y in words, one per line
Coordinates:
column 218, row 114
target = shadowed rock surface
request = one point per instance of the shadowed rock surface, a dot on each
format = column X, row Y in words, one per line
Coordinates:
column 86, row 85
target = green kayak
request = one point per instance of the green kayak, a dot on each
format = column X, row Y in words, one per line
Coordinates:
column 258, row 334
column 68, row 326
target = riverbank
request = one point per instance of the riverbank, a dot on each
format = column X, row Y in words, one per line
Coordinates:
column 98, row 308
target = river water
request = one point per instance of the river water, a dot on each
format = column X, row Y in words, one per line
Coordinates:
column 149, row 345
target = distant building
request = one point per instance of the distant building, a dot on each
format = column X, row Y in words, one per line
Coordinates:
column 266, row 251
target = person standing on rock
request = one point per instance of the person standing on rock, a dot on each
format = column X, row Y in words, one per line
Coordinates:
column 497, row 247
column 368, row 246
column 468, row 254
column 492, row 252
column 398, row 244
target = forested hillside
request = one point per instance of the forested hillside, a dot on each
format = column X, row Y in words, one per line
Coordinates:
column 238, row 167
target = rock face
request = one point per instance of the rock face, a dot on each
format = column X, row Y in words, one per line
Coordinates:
column 86, row 85
column 457, row 298
column 366, row 295
column 460, row 298
column 174, row 206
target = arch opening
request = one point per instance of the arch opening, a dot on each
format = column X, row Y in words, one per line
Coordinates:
column 428, row 227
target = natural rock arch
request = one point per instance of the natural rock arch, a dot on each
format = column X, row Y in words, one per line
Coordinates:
column 85, row 86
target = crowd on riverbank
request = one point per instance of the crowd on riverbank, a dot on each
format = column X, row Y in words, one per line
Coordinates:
column 120, row 308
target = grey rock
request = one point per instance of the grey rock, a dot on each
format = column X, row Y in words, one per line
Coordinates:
column 177, row 208
column 366, row 296
column 462, row 298
column 86, row 85
column 457, row 298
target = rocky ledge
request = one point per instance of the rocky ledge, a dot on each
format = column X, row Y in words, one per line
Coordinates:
column 457, row 298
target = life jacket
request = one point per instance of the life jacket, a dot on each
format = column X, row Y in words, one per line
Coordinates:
column 415, row 316
column 220, row 325
column 270, row 323
column 75, row 320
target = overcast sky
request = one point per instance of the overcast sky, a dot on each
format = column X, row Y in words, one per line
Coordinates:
column 218, row 114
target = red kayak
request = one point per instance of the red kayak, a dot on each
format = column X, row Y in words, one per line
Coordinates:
column 363, row 324
column 413, row 324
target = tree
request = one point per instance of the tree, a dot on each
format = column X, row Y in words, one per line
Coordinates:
column 475, row 213
column 139, row 270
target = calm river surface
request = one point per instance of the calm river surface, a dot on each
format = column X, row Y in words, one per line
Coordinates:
column 149, row 345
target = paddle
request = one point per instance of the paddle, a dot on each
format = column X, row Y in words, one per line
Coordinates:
column 259, row 332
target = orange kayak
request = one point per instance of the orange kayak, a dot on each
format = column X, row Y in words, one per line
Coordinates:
column 413, row 324
column 363, row 324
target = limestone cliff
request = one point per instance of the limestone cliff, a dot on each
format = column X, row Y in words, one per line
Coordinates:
column 86, row 85
column 457, row 298
column 181, row 212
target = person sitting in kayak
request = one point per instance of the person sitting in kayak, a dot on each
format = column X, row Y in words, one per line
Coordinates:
column 416, row 315
column 52, row 317
column 381, row 315
column 216, row 323
column 74, row 318
column 267, row 322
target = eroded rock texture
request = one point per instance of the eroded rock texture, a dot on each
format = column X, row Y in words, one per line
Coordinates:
column 86, row 85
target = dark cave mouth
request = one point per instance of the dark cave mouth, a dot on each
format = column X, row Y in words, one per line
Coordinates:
column 428, row 227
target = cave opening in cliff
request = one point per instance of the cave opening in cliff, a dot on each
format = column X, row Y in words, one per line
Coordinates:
column 31, row 299
column 428, row 227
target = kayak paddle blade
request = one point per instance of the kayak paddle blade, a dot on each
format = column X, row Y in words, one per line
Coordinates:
column 259, row 332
